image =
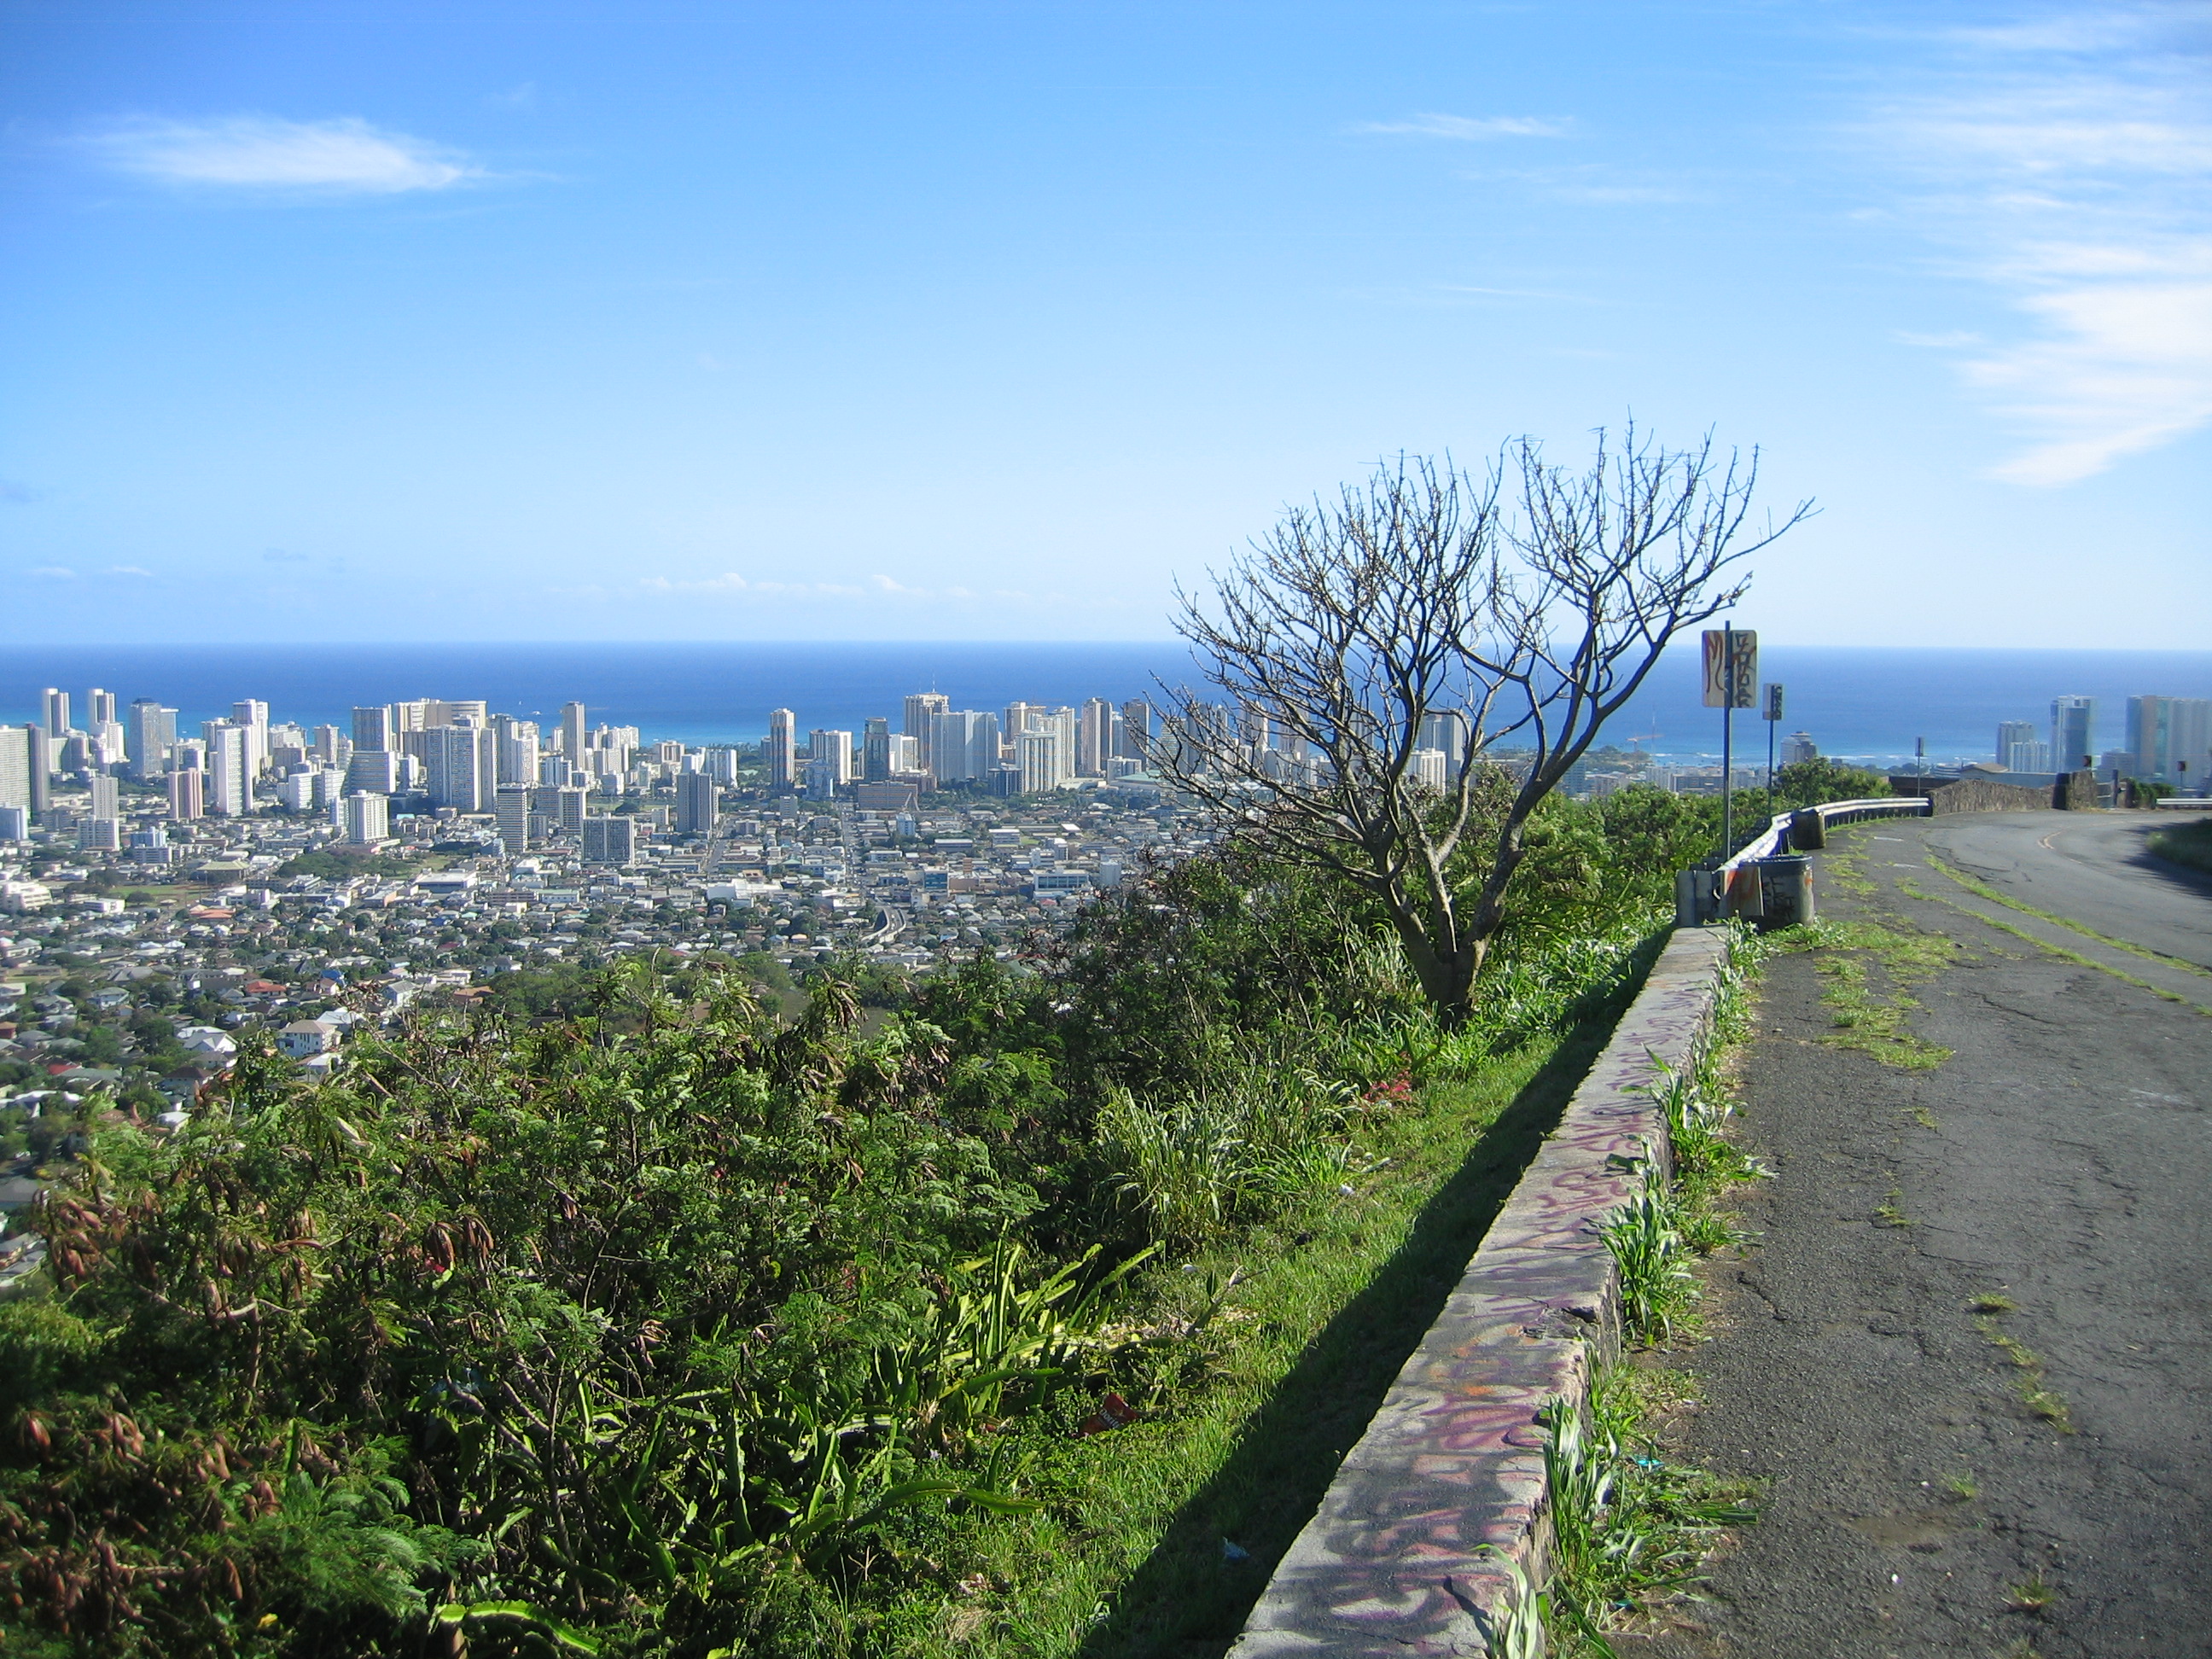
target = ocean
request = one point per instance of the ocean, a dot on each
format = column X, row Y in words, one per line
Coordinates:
column 1866, row 704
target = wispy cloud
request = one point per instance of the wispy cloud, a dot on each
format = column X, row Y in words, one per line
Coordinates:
column 52, row 573
column 258, row 152
column 126, row 570
column 1471, row 127
column 2062, row 164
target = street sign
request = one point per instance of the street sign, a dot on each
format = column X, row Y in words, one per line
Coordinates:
column 1719, row 652
column 1771, row 695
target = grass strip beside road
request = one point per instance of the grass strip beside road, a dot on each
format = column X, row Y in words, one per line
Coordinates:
column 2189, row 845
column 1983, row 890
column 1292, row 1339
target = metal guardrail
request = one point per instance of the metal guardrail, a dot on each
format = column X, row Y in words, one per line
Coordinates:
column 1769, row 841
column 1702, row 894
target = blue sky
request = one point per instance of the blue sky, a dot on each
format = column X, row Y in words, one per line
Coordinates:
column 650, row 320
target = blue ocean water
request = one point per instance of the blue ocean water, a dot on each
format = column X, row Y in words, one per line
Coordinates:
column 1869, row 704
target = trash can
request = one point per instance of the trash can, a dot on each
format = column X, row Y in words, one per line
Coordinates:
column 1696, row 895
column 1747, row 891
column 1786, row 890
column 1808, row 831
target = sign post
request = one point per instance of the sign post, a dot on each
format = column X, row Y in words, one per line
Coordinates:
column 1771, row 711
column 1731, row 680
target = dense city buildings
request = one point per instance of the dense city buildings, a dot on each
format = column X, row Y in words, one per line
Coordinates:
column 263, row 872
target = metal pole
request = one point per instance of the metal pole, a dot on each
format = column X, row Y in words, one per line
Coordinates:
column 1728, row 733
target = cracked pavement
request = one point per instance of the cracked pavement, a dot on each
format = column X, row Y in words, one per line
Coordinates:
column 2059, row 1160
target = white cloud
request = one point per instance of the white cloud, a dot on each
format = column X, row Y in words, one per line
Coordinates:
column 126, row 570
column 728, row 582
column 1470, row 127
column 2062, row 165
column 263, row 152
column 52, row 573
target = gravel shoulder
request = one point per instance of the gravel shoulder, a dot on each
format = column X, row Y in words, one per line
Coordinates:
column 1940, row 1479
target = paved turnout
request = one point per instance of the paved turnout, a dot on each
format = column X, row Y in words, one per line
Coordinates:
column 1916, row 1502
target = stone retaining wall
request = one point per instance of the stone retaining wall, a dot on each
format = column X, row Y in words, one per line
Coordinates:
column 1408, row 1553
column 1972, row 794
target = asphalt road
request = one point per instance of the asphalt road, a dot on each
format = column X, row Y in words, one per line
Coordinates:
column 2091, row 866
column 1916, row 1500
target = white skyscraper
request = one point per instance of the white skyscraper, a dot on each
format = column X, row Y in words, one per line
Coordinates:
column 834, row 749
column 368, row 819
column 780, row 750
column 254, row 715
column 571, row 733
column 57, row 713
column 229, row 786
column 459, row 769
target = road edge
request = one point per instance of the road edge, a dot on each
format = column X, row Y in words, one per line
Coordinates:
column 1438, row 1520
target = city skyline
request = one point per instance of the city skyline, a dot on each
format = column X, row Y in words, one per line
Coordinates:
column 725, row 323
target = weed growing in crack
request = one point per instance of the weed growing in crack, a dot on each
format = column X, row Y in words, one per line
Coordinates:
column 2034, row 1595
column 1864, row 1016
column 1887, row 1214
column 2044, row 1403
column 1645, row 1237
column 1993, row 1302
column 1631, row 1527
column 1961, row 1487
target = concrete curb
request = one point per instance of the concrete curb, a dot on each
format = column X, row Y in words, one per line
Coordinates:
column 1413, row 1548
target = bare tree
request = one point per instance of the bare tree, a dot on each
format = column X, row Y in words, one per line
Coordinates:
column 1376, row 651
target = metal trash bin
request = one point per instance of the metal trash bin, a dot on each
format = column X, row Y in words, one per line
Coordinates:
column 1696, row 895
column 1786, row 890
column 1808, row 831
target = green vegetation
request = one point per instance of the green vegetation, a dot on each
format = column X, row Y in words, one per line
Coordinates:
column 1807, row 783
column 1633, row 1526
column 1871, row 970
column 630, row 1315
column 2186, row 844
column 1983, row 890
column 335, row 866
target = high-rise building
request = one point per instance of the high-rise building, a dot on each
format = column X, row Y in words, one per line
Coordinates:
column 919, row 707
column 721, row 764
column 834, row 749
column 1136, row 729
column 375, row 771
column 1446, row 729
column 253, row 714
column 1094, row 738
column 458, row 768
column 779, row 753
column 332, row 746
column 571, row 733
column 519, row 749
column 147, row 737
column 104, row 796
column 1040, row 758
column 187, row 794
column 372, row 730
column 99, row 707
column 2073, row 733
column 368, row 819
column 16, row 756
column 57, row 713
column 2171, row 737
column 512, row 805
column 610, row 840
column 2011, row 731
column 230, row 777
column 875, row 749
column 697, row 799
